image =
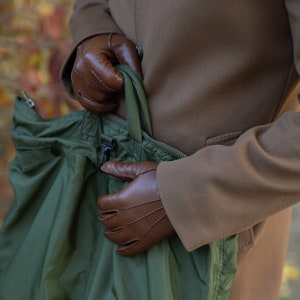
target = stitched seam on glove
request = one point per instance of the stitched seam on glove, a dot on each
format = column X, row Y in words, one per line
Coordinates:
column 154, row 224
column 146, row 215
column 140, row 204
column 101, row 82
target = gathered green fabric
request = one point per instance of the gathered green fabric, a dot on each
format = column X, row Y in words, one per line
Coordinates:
column 52, row 245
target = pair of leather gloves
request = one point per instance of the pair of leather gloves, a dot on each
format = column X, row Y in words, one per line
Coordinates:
column 134, row 217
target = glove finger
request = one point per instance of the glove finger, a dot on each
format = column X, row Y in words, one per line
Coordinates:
column 153, row 235
column 97, row 107
column 125, row 52
column 132, row 247
column 127, row 170
column 97, row 69
column 117, row 235
column 110, row 220
column 105, row 216
column 131, row 61
column 109, row 202
column 102, row 79
column 104, row 74
column 91, row 97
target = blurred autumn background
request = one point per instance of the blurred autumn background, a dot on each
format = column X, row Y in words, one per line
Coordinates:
column 34, row 41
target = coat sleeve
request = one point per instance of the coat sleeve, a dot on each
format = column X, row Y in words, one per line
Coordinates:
column 293, row 9
column 89, row 17
column 224, row 190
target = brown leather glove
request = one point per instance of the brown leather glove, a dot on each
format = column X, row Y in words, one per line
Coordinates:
column 95, row 80
column 134, row 217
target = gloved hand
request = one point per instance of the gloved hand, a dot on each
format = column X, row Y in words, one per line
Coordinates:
column 134, row 217
column 95, row 80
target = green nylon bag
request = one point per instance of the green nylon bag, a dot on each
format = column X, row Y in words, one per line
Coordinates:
column 51, row 243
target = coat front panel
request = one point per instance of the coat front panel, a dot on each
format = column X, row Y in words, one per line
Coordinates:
column 206, row 68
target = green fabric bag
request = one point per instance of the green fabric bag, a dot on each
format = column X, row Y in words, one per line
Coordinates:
column 51, row 242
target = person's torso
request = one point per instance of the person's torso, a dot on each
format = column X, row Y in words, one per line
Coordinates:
column 212, row 69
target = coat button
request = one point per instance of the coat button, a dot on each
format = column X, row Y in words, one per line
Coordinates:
column 139, row 51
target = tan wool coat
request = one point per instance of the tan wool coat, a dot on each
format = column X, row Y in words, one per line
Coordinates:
column 217, row 75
